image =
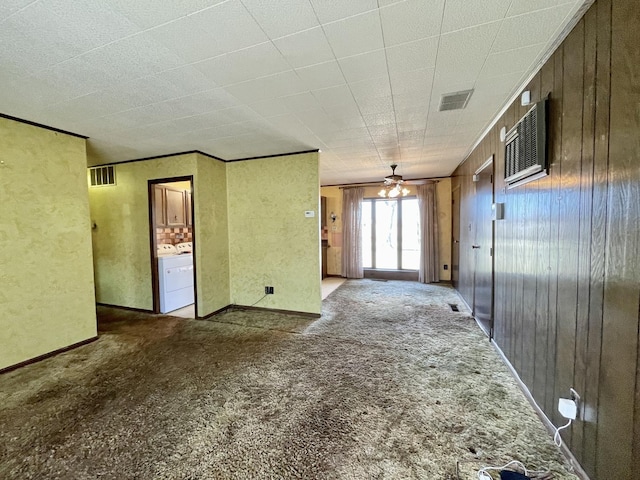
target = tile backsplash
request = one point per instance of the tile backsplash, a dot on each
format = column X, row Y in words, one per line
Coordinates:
column 172, row 235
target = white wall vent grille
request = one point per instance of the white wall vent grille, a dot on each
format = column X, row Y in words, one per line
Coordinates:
column 102, row 176
column 525, row 147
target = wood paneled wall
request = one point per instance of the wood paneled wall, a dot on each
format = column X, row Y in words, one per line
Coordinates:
column 567, row 256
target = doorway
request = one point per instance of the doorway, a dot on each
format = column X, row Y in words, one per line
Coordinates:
column 455, row 236
column 483, row 248
column 173, row 246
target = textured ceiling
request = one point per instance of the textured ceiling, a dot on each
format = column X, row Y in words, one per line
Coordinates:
column 360, row 80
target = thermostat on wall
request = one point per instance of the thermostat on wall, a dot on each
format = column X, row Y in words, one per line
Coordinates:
column 309, row 213
column 497, row 211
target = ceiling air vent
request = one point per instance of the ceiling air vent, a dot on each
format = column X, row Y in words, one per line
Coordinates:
column 454, row 101
column 102, row 176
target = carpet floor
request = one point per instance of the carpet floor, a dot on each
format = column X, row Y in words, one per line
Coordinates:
column 388, row 384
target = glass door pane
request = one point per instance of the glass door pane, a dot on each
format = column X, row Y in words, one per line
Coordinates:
column 366, row 234
column 386, row 226
column 410, row 234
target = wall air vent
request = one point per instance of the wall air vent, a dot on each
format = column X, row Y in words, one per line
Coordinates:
column 454, row 101
column 102, row 176
column 526, row 148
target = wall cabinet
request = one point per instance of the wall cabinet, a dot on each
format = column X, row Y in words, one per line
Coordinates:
column 175, row 208
column 172, row 208
column 159, row 210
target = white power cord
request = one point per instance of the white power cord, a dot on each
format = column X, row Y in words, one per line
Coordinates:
column 557, row 439
column 483, row 475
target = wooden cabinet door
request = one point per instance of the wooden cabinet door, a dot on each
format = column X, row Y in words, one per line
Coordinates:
column 175, row 207
column 187, row 208
column 159, row 210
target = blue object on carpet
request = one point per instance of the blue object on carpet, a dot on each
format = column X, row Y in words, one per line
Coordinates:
column 509, row 475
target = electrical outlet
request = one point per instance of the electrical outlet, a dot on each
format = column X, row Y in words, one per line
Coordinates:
column 268, row 290
column 574, row 396
column 446, row 267
column 576, row 399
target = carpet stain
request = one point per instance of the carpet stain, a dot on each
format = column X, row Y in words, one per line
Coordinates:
column 397, row 388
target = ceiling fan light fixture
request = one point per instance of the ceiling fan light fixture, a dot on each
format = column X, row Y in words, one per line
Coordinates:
column 392, row 186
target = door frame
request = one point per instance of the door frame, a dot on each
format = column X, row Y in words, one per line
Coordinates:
column 488, row 163
column 155, row 282
column 455, row 218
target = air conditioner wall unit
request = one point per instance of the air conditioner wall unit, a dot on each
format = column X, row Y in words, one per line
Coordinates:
column 526, row 147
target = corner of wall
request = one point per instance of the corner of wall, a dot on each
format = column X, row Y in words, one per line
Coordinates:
column 47, row 274
column 272, row 242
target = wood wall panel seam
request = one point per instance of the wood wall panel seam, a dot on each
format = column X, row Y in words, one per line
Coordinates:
column 619, row 350
column 585, row 221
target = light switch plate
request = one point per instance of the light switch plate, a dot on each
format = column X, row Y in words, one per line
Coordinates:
column 309, row 213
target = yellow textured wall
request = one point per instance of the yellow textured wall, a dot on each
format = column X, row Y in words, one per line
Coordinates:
column 443, row 195
column 271, row 241
column 47, row 295
column 121, row 240
column 212, row 235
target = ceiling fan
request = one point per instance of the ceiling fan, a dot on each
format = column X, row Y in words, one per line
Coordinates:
column 392, row 186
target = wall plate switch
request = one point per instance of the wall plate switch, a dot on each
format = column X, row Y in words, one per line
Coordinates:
column 497, row 211
column 309, row 213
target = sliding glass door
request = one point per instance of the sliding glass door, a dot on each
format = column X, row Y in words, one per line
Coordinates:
column 391, row 234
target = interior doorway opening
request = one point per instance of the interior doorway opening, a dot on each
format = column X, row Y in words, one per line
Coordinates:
column 173, row 246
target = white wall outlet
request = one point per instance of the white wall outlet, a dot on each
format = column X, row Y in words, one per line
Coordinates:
column 309, row 213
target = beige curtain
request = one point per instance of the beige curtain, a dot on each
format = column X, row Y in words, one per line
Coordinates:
column 429, row 258
column 352, row 232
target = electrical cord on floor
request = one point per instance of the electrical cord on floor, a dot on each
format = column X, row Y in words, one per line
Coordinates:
column 557, row 439
column 484, row 475
column 259, row 300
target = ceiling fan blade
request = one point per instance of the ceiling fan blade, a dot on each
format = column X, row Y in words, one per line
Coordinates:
column 416, row 182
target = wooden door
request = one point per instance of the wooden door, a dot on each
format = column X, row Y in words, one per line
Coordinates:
column 483, row 249
column 455, row 237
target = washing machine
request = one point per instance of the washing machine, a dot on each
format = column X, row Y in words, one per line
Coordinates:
column 175, row 278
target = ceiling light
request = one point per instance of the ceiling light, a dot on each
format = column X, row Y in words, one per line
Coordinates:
column 392, row 187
